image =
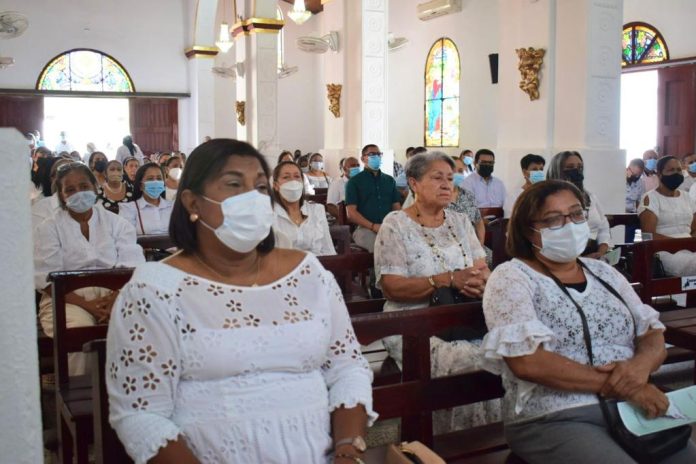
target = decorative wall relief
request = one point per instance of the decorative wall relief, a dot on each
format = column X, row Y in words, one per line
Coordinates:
column 240, row 112
column 529, row 65
column 334, row 96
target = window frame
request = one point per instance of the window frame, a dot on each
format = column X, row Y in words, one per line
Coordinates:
column 657, row 35
column 440, row 42
column 50, row 62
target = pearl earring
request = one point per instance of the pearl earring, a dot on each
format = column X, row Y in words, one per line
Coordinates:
column 193, row 217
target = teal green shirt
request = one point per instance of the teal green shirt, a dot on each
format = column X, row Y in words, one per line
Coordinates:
column 373, row 195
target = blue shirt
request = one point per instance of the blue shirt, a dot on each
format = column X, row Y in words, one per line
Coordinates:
column 489, row 194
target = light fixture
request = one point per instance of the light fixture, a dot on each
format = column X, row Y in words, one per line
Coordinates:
column 299, row 13
column 223, row 42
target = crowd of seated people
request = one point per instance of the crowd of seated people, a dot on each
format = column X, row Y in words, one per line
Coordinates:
column 245, row 281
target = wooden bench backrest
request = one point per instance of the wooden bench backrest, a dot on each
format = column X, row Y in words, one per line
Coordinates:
column 628, row 219
column 69, row 340
column 643, row 253
column 317, row 198
column 414, row 399
column 340, row 235
column 356, row 307
column 158, row 242
column 496, row 232
column 344, row 266
column 492, row 212
column 107, row 447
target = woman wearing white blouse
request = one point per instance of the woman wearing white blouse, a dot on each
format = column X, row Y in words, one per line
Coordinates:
column 149, row 214
column 316, row 175
column 303, row 223
column 172, row 173
column 232, row 350
column 80, row 236
column 534, row 307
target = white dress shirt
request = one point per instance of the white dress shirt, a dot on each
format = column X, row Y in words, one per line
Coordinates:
column 155, row 219
column 489, row 194
column 312, row 235
column 337, row 191
column 60, row 246
column 43, row 209
column 598, row 223
column 123, row 152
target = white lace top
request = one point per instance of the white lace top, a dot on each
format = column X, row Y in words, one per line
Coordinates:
column 525, row 309
column 244, row 374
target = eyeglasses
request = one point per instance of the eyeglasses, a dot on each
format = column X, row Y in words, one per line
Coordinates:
column 379, row 153
column 558, row 220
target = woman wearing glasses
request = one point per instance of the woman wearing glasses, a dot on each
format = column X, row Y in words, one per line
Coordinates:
column 569, row 166
column 80, row 236
column 536, row 339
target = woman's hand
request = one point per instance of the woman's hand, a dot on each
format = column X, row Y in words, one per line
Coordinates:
column 472, row 280
column 625, row 379
column 100, row 308
column 651, row 400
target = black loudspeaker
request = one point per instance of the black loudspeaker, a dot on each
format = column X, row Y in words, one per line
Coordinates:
column 493, row 63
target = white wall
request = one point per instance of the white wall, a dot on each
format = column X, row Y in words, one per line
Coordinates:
column 673, row 18
column 147, row 37
column 475, row 32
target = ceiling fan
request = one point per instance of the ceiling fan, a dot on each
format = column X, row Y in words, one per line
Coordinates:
column 323, row 44
column 12, row 24
column 286, row 71
column 396, row 43
column 226, row 72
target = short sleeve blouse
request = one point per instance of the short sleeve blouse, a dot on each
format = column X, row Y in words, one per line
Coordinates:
column 674, row 214
column 525, row 309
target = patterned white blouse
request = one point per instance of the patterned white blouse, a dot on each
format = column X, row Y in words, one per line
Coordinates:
column 244, row 374
column 525, row 309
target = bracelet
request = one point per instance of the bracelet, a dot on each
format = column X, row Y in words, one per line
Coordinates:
column 431, row 281
column 355, row 459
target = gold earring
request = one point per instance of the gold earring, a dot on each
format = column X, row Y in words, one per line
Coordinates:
column 193, row 217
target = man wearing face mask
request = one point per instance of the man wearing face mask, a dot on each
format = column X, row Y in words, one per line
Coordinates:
column 532, row 172
column 370, row 196
column 689, row 172
column 488, row 190
column 650, row 179
column 337, row 189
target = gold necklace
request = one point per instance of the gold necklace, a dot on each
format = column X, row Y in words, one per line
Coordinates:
column 224, row 278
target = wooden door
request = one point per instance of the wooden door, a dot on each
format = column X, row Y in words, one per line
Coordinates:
column 676, row 101
column 154, row 124
column 26, row 113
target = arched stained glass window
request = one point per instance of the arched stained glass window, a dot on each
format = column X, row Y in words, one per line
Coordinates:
column 642, row 43
column 85, row 70
column 442, row 73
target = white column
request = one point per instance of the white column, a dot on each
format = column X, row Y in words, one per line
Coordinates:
column 201, row 105
column 20, row 418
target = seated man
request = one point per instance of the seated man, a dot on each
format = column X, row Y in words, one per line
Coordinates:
column 532, row 171
column 488, row 190
column 370, row 196
column 689, row 171
column 337, row 189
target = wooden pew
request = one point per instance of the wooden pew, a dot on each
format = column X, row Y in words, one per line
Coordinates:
column 496, row 232
column 340, row 235
column 160, row 242
column 629, row 220
column 73, row 394
column 417, row 395
column 488, row 214
column 344, row 266
column 317, row 198
column 651, row 287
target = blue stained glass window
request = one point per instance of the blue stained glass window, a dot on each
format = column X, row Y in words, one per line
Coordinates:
column 442, row 74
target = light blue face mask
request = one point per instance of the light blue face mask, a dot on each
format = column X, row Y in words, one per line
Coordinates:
column 81, row 202
column 354, row 171
column 458, row 178
column 692, row 168
column 153, row 188
column 374, row 162
column 651, row 164
column 468, row 160
column 536, row 176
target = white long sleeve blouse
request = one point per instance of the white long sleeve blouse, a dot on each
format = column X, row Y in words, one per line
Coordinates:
column 155, row 219
column 312, row 235
column 244, row 374
column 60, row 246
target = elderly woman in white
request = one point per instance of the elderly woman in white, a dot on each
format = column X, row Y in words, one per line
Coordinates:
column 81, row 236
column 426, row 247
column 304, row 224
column 149, row 214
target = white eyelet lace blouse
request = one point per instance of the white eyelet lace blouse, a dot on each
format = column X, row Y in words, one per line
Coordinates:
column 244, row 374
column 525, row 309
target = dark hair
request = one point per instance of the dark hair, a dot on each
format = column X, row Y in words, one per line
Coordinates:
column 418, row 151
column 45, row 152
column 340, row 164
column 284, row 153
column 526, row 207
column 637, row 162
column 42, row 176
column 662, row 162
column 91, row 158
column 128, row 142
column 139, row 174
column 531, row 159
column 311, row 157
column 64, row 170
column 302, row 159
column 464, row 152
column 171, row 159
column 483, row 151
column 367, row 147
column 409, row 150
column 276, row 174
column 205, row 163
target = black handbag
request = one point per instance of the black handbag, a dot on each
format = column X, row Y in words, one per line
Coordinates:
column 448, row 296
column 647, row 449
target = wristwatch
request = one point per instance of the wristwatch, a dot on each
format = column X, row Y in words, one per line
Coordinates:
column 357, row 442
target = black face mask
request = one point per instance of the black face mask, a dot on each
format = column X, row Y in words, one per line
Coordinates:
column 485, row 170
column 100, row 166
column 673, row 181
column 633, row 179
column 574, row 175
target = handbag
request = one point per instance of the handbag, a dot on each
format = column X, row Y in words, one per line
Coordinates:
column 647, row 449
column 449, row 296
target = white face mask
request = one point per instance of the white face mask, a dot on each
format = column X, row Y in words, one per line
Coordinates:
column 247, row 220
column 81, row 202
column 291, row 191
column 317, row 165
column 175, row 173
column 565, row 244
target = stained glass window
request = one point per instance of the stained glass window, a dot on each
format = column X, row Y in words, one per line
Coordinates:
column 87, row 71
column 442, row 73
column 642, row 43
